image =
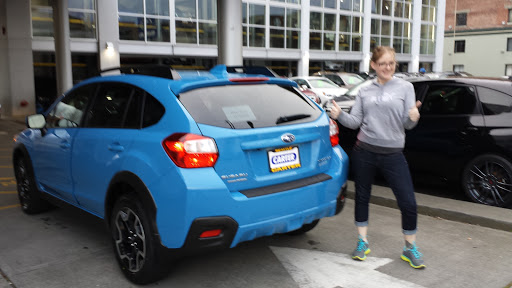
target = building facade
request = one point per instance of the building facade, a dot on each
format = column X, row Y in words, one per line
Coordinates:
column 478, row 37
column 41, row 38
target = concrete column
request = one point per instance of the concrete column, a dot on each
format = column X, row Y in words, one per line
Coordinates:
column 229, row 35
column 108, row 35
column 20, row 100
column 62, row 46
column 4, row 58
column 364, row 66
column 303, row 64
column 414, row 65
column 441, row 10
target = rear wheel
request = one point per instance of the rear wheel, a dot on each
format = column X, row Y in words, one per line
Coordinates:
column 305, row 228
column 487, row 179
column 28, row 194
column 135, row 244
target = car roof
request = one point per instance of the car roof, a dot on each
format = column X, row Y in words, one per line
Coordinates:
column 186, row 80
column 502, row 84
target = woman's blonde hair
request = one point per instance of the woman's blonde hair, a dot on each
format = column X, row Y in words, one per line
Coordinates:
column 381, row 50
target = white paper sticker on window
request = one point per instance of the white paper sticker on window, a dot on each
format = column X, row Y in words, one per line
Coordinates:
column 239, row 113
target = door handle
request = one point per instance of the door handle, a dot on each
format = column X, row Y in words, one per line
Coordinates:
column 116, row 147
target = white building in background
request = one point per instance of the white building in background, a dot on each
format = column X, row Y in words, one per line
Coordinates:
column 293, row 37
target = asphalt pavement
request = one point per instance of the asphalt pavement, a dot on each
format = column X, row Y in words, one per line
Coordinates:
column 445, row 208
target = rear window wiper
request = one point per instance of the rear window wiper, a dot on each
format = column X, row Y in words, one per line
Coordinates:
column 290, row 118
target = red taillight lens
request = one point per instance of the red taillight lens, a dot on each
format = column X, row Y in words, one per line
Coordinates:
column 191, row 150
column 333, row 133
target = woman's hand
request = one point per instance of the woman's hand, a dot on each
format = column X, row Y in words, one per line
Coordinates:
column 335, row 110
column 414, row 114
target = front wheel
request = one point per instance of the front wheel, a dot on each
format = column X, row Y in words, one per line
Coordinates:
column 135, row 244
column 28, row 194
column 487, row 179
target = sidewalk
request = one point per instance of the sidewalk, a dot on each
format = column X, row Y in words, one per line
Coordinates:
column 449, row 209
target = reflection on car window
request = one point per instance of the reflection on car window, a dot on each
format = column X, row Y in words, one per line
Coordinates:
column 68, row 112
column 248, row 106
column 321, row 83
column 449, row 100
column 494, row 102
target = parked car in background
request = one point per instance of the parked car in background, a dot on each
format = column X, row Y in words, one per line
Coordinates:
column 342, row 79
column 205, row 160
column 311, row 94
column 464, row 136
column 323, row 87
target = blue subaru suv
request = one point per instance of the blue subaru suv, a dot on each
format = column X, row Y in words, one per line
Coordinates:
column 183, row 164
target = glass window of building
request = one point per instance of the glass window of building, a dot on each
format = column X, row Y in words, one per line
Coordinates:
column 323, row 3
column 509, row 15
column 351, row 5
column 82, row 18
column 144, row 20
column 42, row 18
column 428, row 27
column 461, row 19
column 509, row 44
column 322, row 34
column 459, row 46
column 253, row 25
column 196, row 21
column 284, row 27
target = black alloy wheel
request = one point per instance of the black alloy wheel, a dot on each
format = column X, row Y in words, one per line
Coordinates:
column 135, row 244
column 28, row 195
column 130, row 239
column 487, row 179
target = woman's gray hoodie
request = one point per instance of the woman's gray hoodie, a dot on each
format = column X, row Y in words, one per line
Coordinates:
column 382, row 113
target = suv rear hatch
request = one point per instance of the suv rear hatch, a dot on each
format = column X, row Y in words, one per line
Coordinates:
column 266, row 135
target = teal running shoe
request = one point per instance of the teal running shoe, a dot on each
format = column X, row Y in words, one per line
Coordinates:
column 413, row 256
column 363, row 249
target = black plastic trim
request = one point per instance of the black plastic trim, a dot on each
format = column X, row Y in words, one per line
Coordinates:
column 194, row 244
column 285, row 186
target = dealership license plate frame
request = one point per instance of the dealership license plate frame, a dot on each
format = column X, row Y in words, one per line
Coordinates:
column 286, row 165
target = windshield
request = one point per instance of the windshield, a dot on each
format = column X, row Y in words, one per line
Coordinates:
column 352, row 79
column 354, row 90
column 322, row 83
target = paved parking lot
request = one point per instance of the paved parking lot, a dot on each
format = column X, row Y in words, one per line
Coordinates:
column 69, row 248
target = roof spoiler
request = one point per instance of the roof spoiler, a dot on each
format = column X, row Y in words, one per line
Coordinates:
column 150, row 70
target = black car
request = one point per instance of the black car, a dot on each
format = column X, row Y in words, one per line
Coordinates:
column 464, row 136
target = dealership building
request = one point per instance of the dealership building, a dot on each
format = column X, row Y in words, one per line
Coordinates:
column 46, row 46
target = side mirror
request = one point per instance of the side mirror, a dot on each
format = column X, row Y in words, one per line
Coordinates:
column 36, row 121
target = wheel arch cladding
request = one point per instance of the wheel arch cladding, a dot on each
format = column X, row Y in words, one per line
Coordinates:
column 124, row 183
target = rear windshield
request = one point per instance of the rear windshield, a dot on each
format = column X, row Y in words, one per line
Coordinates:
column 249, row 106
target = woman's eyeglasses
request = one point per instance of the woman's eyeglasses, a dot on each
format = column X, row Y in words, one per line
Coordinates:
column 386, row 64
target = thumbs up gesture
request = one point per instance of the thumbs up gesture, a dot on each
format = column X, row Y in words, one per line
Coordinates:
column 414, row 114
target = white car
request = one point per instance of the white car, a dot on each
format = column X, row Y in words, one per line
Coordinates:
column 323, row 87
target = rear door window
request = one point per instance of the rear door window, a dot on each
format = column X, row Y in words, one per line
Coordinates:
column 494, row 102
column 449, row 100
column 249, row 106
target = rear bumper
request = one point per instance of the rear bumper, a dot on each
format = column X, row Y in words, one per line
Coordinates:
column 188, row 208
column 232, row 233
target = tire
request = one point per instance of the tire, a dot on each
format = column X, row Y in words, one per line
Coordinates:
column 135, row 245
column 487, row 179
column 28, row 194
column 305, row 228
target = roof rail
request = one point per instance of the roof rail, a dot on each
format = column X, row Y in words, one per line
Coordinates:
column 255, row 70
column 150, row 70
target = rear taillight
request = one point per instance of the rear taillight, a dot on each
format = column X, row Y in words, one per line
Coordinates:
column 333, row 133
column 191, row 150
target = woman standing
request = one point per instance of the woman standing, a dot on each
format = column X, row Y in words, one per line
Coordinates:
column 383, row 111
